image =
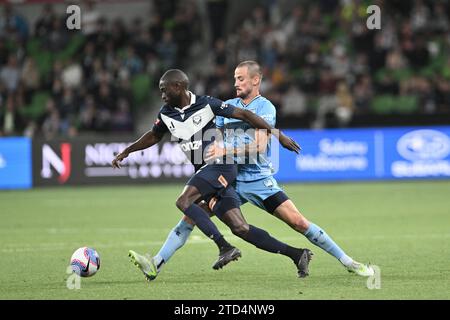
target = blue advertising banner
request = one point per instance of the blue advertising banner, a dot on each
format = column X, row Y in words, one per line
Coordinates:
column 327, row 155
column 367, row 154
column 417, row 153
column 15, row 163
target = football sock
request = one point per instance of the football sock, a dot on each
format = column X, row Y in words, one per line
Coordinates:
column 175, row 240
column 321, row 239
column 263, row 240
column 205, row 224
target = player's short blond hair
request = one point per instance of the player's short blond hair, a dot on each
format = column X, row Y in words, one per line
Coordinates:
column 254, row 69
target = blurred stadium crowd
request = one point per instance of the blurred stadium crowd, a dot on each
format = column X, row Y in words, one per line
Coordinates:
column 322, row 66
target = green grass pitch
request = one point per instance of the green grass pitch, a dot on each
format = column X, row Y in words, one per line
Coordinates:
column 402, row 227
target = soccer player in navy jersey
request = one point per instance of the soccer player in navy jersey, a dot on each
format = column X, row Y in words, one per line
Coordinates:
column 189, row 118
column 255, row 182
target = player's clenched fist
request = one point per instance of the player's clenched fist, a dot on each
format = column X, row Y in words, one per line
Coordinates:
column 116, row 162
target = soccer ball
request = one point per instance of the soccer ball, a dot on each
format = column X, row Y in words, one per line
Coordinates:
column 85, row 262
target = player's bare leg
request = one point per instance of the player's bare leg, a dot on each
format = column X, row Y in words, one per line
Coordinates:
column 289, row 213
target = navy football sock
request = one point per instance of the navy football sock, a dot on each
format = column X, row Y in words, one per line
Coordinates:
column 263, row 240
column 205, row 224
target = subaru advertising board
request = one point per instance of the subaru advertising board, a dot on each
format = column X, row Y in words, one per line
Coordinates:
column 367, row 154
column 15, row 163
column 417, row 153
column 329, row 155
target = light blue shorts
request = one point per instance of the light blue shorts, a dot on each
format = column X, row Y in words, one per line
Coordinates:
column 258, row 191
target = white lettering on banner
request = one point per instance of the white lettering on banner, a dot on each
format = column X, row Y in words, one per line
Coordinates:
column 102, row 153
column 171, row 153
column 425, row 151
column 341, row 148
column 324, row 163
column 419, row 169
column 335, row 155
column 156, row 171
column 167, row 160
column 50, row 158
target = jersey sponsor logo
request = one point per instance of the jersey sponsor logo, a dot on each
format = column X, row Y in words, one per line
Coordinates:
column 191, row 145
column 223, row 106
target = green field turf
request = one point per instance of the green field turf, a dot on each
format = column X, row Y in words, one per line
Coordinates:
column 404, row 228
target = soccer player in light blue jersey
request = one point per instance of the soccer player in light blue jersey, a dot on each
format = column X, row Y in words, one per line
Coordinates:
column 255, row 183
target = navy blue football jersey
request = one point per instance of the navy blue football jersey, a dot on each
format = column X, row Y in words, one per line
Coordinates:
column 194, row 125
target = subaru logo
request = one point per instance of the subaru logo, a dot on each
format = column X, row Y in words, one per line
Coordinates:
column 424, row 145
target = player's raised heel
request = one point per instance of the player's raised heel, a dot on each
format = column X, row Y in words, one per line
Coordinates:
column 303, row 263
column 232, row 254
column 145, row 264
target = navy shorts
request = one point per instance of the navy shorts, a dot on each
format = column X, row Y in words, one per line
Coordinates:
column 214, row 182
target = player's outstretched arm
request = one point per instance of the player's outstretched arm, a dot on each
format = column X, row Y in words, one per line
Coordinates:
column 258, row 146
column 259, row 123
column 146, row 141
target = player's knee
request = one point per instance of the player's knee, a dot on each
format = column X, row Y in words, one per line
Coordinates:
column 300, row 224
column 182, row 203
column 294, row 219
column 188, row 220
column 240, row 230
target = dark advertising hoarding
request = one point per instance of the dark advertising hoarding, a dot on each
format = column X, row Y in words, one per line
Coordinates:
column 88, row 161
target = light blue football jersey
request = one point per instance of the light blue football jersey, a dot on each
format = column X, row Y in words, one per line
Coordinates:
column 255, row 168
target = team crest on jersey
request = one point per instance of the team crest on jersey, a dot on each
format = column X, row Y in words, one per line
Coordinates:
column 197, row 120
column 268, row 183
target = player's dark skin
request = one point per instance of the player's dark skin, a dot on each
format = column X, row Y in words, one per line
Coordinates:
column 174, row 93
